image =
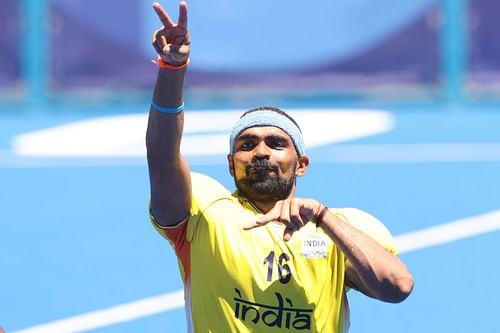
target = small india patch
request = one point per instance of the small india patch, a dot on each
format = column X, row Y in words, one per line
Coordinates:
column 315, row 246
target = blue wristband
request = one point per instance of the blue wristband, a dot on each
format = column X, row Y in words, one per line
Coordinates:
column 167, row 110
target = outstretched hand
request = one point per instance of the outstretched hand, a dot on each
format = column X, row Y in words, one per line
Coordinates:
column 172, row 40
column 293, row 213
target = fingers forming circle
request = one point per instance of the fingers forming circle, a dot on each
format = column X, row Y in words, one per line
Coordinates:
column 296, row 218
column 285, row 212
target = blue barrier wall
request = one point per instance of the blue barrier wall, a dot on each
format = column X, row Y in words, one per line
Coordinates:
column 10, row 52
column 331, row 47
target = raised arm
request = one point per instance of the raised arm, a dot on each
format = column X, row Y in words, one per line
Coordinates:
column 169, row 174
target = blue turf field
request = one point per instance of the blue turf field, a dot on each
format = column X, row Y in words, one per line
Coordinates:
column 75, row 236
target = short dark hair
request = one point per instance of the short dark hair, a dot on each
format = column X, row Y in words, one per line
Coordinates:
column 274, row 109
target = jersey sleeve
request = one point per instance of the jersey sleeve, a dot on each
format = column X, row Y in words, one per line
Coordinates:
column 205, row 191
column 370, row 225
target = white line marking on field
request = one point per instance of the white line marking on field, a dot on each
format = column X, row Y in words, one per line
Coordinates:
column 113, row 315
column 205, row 133
column 449, row 232
column 408, row 242
column 336, row 154
column 411, row 153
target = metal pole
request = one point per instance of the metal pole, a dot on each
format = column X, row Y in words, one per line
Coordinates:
column 34, row 50
column 454, row 49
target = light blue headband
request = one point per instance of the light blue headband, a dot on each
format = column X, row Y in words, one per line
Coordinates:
column 268, row 118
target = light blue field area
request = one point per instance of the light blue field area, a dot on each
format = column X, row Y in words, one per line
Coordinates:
column 75, row 238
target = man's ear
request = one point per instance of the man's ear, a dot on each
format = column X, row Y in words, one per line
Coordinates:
column 230, row 163
column 302, row 165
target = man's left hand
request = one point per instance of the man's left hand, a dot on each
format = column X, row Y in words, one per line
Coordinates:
column 294, row 213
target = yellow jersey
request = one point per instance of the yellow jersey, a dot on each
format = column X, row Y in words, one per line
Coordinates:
column 240, row 280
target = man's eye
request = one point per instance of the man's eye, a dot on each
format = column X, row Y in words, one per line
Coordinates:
column 246, row 145
column 277, row 144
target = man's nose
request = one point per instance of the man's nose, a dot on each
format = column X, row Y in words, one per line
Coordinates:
column 262, row 150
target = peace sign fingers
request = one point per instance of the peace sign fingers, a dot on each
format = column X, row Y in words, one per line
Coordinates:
column 172, row 41
column 163, row 16
column 182, row 22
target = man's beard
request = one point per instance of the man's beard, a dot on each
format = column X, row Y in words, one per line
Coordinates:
column 263, row 182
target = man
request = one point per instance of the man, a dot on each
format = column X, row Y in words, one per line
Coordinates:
column 259, row 259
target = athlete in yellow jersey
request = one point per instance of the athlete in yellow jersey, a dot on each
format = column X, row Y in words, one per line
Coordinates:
column 259, row 259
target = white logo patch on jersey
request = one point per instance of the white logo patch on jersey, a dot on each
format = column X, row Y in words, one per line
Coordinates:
column 315, row 246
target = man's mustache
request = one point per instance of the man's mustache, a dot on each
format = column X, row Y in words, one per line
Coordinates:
column 261, row 165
